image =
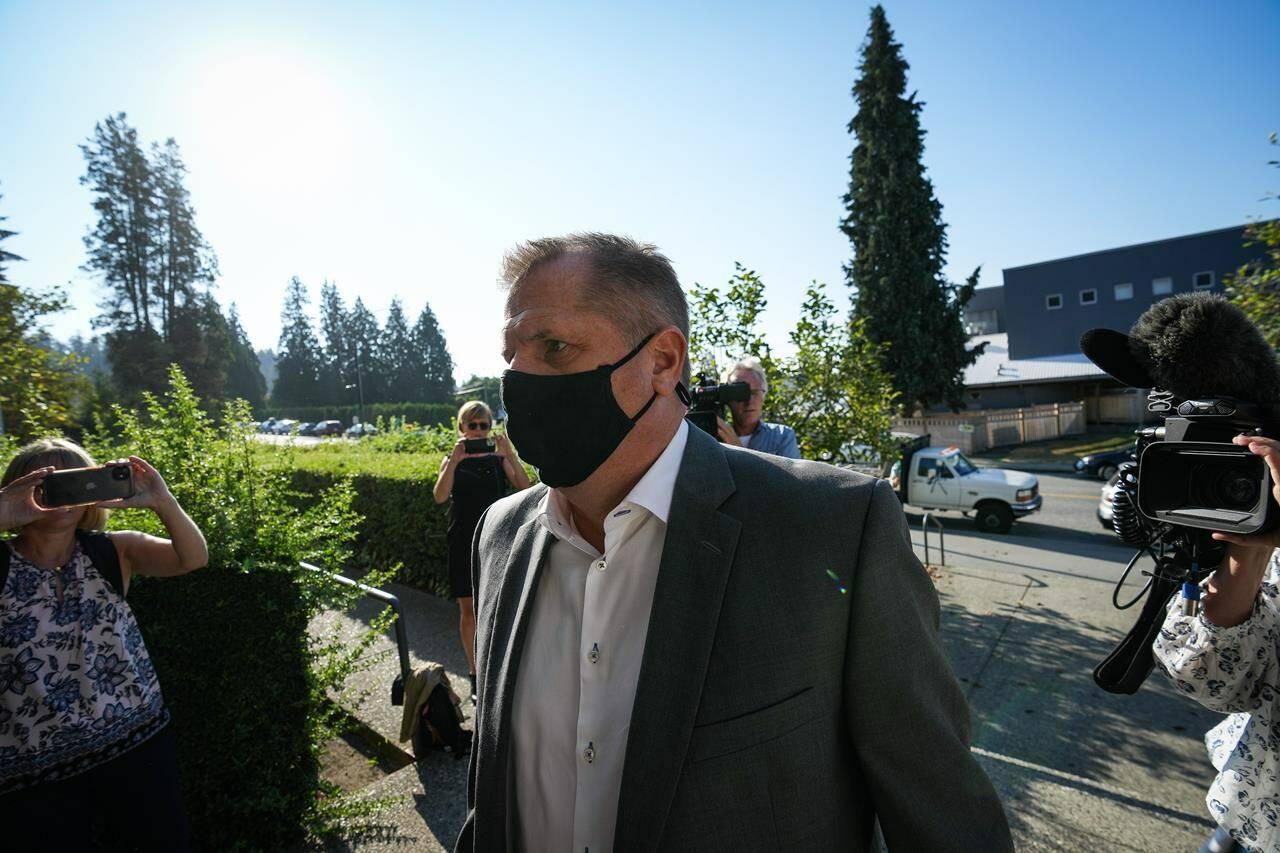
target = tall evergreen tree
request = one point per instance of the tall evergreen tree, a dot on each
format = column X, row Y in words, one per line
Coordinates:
column 185, row 261
column 405, row 370
column 122, row 245
column 5, row 256
column 339, row 369
column 298, row 365
column 894, row 223
column 363, row 337
column 437, row 364
column 244, row 377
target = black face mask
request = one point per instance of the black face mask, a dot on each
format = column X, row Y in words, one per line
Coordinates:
column 566, row 425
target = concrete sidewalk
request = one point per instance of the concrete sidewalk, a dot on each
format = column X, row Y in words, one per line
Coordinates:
column 1075, row 767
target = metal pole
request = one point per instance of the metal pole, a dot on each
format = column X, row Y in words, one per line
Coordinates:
column 402, row 638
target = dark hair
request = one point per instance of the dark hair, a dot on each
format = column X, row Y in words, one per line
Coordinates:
column 633, row 283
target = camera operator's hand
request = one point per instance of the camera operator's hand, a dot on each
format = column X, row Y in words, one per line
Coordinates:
column 1269, row 450
column 1233, row 588
column 726, row 433
column 149, row 489
column 18, row 505
column 504, row 447
column 459, row 451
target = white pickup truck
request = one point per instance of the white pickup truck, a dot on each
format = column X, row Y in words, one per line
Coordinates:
column 935, row 478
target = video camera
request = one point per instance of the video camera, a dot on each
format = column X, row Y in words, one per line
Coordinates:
column 1212, row 377
column 707, row 400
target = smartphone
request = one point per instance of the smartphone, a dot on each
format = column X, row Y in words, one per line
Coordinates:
column 78, row 486
column 479, row 445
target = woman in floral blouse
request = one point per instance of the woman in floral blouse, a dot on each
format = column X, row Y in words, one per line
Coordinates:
column 85, row 752
column 1228, row 659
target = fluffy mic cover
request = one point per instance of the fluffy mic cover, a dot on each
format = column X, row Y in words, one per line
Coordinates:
column 1198, row 345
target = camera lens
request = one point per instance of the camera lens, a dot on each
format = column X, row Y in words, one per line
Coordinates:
column 120, row 473
column 1238, row 489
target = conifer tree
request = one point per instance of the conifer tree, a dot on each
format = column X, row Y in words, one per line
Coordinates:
column 244, row 377
column 363, row 337
column 185, row 262
column 405, row 370
column 298, row 363
column 894, row 223
column 339, row 369
column 437, row 364
column 5, row 256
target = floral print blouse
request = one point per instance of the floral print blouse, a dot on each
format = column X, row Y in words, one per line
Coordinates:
column 77, row 687
column 1236, row 671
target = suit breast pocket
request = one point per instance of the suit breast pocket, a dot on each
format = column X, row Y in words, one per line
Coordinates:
column 712, row 740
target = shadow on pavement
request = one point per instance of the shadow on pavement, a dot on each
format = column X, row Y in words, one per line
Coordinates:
column 1027, row 672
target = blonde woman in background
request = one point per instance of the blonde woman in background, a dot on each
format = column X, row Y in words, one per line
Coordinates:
column 473, row 481
column 86, row 756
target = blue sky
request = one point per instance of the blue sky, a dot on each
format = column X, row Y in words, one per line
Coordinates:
column 400, row 148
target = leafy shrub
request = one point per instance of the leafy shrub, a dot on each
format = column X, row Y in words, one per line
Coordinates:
column 243, row 680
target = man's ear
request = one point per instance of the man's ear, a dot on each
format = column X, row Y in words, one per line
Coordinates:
column 670, row 349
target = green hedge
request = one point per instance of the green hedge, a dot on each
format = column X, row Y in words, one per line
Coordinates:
column 228, row 649
column 425, row 414
column 402, row 524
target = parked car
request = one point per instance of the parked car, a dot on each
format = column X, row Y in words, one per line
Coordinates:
column 361, row 430
column 284, row 427
column 328, row 428
column 267, row 425
column 1104, row 503
column 1103, row 465
column 944, row 478
column 306, row 428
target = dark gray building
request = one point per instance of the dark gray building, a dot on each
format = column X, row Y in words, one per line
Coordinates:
column 1048, row 305
column 1032, row 324
column 984, row 315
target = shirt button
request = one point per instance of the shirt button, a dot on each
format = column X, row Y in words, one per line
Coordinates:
column 589, row 754
column 600, row 565
column 594, row 654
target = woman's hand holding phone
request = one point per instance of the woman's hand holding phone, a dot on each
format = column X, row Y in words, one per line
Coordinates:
column 149, row 488
column 18, row 506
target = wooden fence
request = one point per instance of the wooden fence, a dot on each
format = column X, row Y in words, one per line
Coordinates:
column 973, row 432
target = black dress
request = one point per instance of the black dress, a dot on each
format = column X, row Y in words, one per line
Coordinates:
column 477, row 482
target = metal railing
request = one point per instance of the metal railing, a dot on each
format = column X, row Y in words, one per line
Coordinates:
column 402, row 637
column 942, row 537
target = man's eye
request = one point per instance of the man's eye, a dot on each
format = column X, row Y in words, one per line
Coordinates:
column 554, row 346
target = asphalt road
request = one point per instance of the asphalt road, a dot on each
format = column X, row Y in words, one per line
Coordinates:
column 1026, row 616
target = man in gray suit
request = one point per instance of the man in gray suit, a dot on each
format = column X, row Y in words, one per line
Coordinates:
column 684, row 646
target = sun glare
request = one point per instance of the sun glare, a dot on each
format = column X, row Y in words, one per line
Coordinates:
column 271, row 124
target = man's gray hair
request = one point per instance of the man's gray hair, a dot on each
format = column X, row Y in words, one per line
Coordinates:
column 633, row 283
column 750, row 364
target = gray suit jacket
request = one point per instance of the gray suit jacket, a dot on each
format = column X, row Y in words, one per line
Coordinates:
column 792, row 688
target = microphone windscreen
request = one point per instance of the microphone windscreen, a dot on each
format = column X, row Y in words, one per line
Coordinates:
column 1198, row 345
column 1113, row 352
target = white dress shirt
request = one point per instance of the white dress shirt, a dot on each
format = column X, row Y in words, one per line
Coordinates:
column 577, row 676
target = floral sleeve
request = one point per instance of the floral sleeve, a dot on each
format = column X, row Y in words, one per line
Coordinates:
column 1228, row 670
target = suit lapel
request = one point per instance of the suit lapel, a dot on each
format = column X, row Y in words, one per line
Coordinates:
column 515, row 603
column 696, row 558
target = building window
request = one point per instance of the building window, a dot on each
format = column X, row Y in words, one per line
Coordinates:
column 1053, row 301
column 1161, row 286
column 1089, row 297
column 983, row 322
column 1203, row 280
column 1124, row 291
